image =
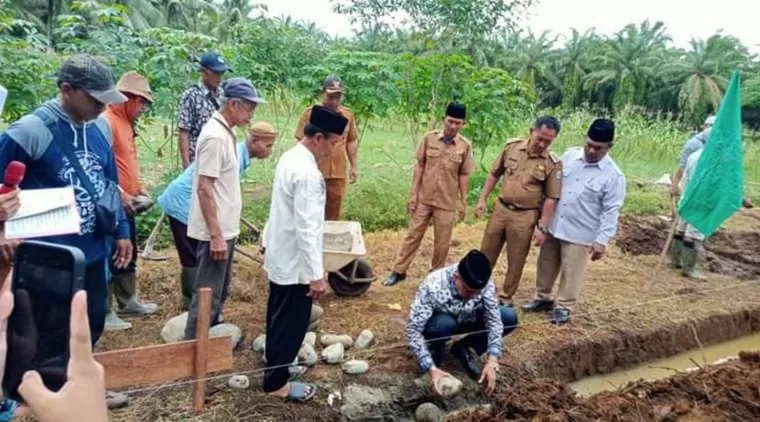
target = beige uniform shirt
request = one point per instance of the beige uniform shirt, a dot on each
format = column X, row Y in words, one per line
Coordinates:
column 443, row 164
column 333, row 167
column 216, row 157
column 527, row 177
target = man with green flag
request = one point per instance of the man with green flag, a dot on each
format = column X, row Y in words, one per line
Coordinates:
column 713, row 183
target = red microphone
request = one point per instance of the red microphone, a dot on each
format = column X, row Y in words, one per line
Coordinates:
column 14, row 174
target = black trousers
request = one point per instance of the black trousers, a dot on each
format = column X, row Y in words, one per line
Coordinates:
column 187, row 248
column 96, row 285
column 288, row 312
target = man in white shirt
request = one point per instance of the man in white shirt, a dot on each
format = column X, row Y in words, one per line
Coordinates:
column 216, row 203
column 293, row 256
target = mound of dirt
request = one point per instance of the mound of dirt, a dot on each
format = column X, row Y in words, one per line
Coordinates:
column 725, row 252
column 728, row 392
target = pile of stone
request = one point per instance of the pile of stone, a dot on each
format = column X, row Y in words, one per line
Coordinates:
column 333, row 348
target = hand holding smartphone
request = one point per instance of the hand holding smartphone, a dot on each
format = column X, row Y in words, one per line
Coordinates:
column 45, row 278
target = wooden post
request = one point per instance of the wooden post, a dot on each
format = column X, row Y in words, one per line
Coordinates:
column 201, row 348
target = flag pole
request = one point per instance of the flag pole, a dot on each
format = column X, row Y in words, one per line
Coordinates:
column 673, row 226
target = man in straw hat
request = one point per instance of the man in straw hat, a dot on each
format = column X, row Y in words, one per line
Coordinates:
column 459, row 299
column 585, row 220
column 122, row 118
column 175, row 202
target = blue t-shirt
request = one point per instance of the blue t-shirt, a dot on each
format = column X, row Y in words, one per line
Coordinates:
column 175, row 200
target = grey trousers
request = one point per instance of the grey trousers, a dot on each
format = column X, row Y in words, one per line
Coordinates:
column 214, row 274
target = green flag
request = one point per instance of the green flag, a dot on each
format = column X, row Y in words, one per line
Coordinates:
column 716, row 188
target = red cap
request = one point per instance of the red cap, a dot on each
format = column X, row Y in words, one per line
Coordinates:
column 14, row 173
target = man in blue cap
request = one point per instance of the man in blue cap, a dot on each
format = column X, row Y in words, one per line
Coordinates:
column 198, row 103
column 216, row 202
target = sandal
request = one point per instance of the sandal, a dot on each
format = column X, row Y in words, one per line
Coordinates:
column 298, row 391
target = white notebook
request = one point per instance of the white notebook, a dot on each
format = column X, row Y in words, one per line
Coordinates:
column 44, row 212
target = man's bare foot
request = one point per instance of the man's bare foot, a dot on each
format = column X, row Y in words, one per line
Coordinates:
column 296, row 391
column 282, row 392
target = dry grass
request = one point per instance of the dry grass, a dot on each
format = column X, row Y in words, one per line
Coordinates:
column 614, row 299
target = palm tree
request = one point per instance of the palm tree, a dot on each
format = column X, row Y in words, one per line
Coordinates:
column 629, row 64
column 573, row 64
column 530, row 58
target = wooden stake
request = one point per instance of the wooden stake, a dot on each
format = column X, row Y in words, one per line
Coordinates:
column 201, row 348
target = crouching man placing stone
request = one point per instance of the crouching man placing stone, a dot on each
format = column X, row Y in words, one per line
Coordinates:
column 455, row 300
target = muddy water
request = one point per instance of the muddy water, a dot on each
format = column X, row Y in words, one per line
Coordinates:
column 666, row 367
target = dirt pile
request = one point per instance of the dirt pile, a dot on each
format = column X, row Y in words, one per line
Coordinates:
column 727, row 392
column 725, row 252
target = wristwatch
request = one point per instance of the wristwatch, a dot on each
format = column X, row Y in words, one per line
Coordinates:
column 542, row 229
column 7, row 409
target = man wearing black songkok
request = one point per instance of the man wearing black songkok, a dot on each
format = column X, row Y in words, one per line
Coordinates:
column 293, row 249
column 444, row 165
column 454, row 300
column 585, row 220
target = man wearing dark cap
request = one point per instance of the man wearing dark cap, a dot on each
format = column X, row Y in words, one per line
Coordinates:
column 585, row 220
column 532, row 183
column 333, row 167
column 293, row 248
column 459, row 299
column 70, row 126
column 444, row 165
column 199, row 102
column 216, row 203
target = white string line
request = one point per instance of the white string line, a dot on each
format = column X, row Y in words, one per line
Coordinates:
column 395, row 346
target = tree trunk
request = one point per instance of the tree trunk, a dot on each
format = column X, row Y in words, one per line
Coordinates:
column 50, row 19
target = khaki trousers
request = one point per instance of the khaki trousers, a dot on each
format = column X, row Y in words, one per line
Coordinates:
column 335, row 193
column 443, row 224
column 555, row 257
column 515, row 228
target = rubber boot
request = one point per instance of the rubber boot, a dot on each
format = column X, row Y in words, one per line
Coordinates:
column 125, row 288
column 113, row 322
column 187, row 282
column 689, row 258
column 675, row 251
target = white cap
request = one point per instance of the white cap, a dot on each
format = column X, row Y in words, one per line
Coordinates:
column 710, row 121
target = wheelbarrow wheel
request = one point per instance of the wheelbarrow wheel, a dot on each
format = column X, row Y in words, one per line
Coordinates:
column 343, row 288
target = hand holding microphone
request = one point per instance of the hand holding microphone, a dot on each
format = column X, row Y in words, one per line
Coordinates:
column 9, row 202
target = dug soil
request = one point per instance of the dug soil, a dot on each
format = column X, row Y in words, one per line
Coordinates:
column 728, row 392
column 631, row 311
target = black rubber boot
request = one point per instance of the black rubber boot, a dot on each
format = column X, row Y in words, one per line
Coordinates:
column 187, row 282
column 675, row 251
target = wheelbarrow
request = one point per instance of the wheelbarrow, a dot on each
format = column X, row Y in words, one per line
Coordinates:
column 348, row 273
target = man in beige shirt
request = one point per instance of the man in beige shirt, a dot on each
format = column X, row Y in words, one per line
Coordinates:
column 216, row 203
column 444, row 165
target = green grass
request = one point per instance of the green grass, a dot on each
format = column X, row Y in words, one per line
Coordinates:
column 644, row 150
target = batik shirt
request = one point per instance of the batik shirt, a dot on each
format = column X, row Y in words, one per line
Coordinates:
column 438, row 293
column 196, row 106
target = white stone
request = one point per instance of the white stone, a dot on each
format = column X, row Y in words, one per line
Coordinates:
column 428, row 412
column 231, row 330
column 297, row 371
column 310, row 338
column 664, row 180
column 307, row 355
column 316, row 313
column 364, row 340
column 356, row 367
column 449, row 386
column 334, row 353
column 260, row 343
column 330, row 339
column 239, row 382
column 174, row 329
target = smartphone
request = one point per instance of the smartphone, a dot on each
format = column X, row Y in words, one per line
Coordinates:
column 45, row 278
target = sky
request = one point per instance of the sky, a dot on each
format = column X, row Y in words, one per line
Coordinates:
column 684, row 19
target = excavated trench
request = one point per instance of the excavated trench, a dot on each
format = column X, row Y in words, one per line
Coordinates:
column 538, row 388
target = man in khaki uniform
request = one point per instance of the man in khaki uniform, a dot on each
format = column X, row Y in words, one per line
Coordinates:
column 531, row 174
column 444, row 165
column 333, row 168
